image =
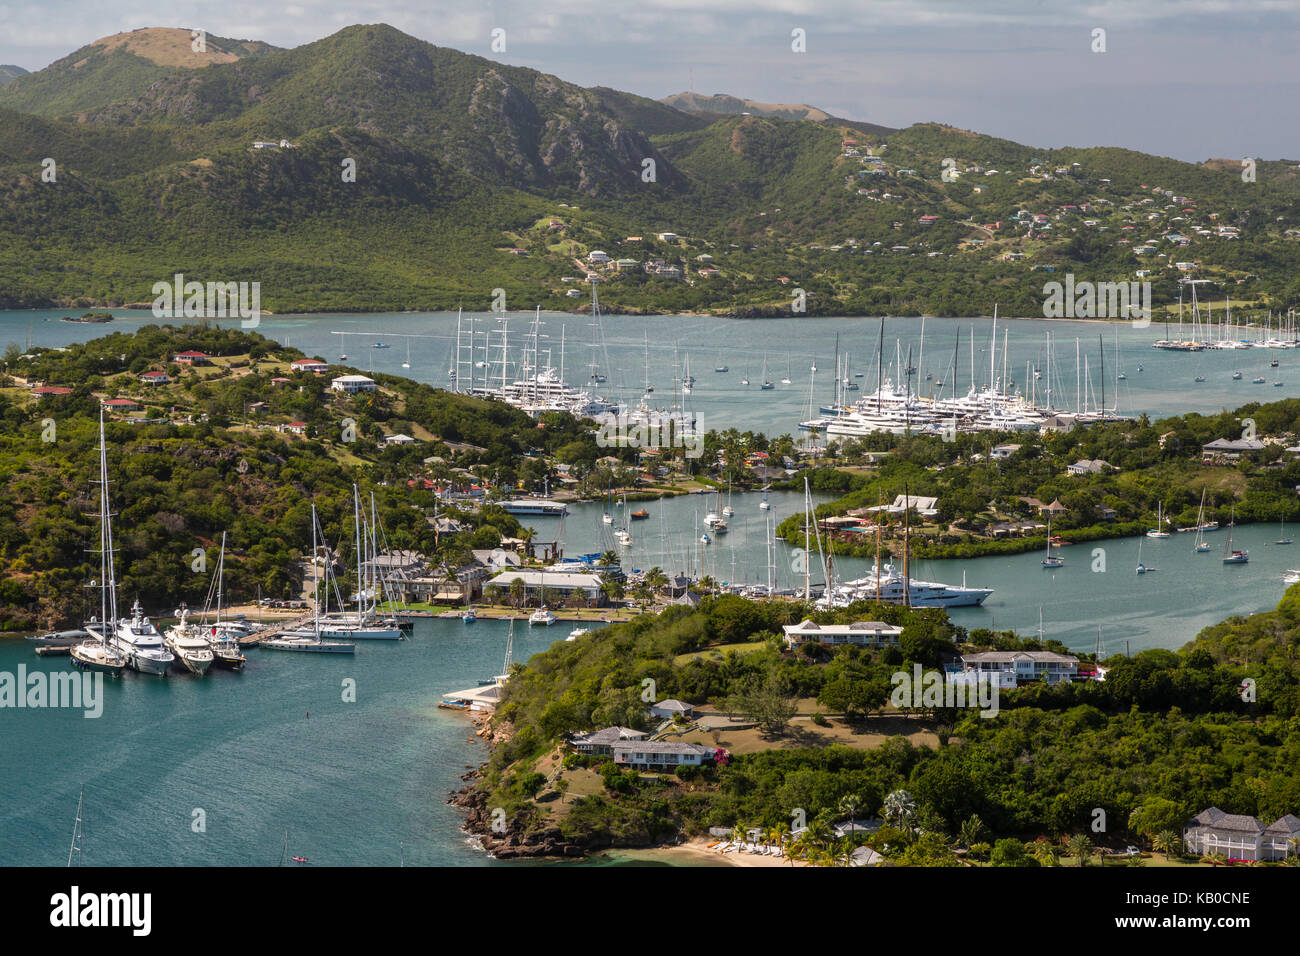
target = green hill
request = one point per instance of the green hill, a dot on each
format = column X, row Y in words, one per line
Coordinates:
column 10, row 72
column 473, row 175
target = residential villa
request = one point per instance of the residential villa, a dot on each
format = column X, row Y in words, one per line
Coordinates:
column 1015, row 667
column 353, row 384
column 672, row 708
column 862, row 633
column 309, row 365
column 155, row 378
column 1240, row 837
column 601, row 742
column 193, row 358
column 659, row 754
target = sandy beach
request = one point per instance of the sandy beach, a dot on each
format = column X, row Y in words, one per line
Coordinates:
column 696, row 852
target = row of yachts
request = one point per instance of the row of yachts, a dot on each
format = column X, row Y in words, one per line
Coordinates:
column 896, row 411
column 111, row 644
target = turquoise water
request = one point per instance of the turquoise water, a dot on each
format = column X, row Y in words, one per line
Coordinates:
column 1165, row 386
column 365, row 783
column 351, row 783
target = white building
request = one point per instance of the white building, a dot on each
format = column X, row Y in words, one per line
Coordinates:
column 862, row 633
column 1013, row 667
column 659, row 754
column 671, row 708
column 352, row 384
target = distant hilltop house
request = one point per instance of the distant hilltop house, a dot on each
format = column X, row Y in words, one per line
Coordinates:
column 352, row 384
column 671, row 708
column 155, row 378
column 192, row 358
column 309, row 365
column 1087, row 466
column 1240, row 837
column 1231, row 448
column 44, row 391
column 272, row 144
column 862, row 633
column 926, row 507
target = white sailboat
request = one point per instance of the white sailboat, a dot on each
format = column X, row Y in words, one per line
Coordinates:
column 1051, row 560
column 407, row 363
column 309, row 641
column 98, row 654
column 1233, row 555
column 1159, row 530
column 1202, row 546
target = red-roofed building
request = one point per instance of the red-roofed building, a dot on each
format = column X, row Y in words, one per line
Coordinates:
column 120, row 404
column 193, row 358
column 280, row 380
column 297, row 428
column 155, row 378
column 41, row 391
column 309, row 365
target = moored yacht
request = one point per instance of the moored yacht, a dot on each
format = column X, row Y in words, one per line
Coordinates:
column 190, row 647
column 542, row 616
column 141, row 643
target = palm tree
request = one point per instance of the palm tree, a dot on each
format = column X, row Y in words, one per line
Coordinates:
column 980, row 850
column 607, row 559
column 1079, row 847
column 1045, row 852
column 849, row 806
column 655, row 578
column 972, row 831
column 518, row 592
column 1167, row 842
column 898, row 810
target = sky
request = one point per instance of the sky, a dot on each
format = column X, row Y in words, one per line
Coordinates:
column 1191, row 79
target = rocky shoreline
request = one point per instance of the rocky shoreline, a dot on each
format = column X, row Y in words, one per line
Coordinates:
column 513, row 842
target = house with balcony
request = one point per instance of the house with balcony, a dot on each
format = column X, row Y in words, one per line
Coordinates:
column 861, row 633
column 659, row 754
column 353, row 384
column 1012, row 668
column 1240, row 837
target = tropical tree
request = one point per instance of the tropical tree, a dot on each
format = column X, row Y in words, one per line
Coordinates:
column 899, row 809
column 1080, row 847
column 972, row 831
column 1167, row 842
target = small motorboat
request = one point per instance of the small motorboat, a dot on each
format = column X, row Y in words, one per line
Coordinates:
column 1142, row 569
column 1200, row 378
column 1236, row 376
column 640, row 515
column 382, row 345
column 299, row 859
